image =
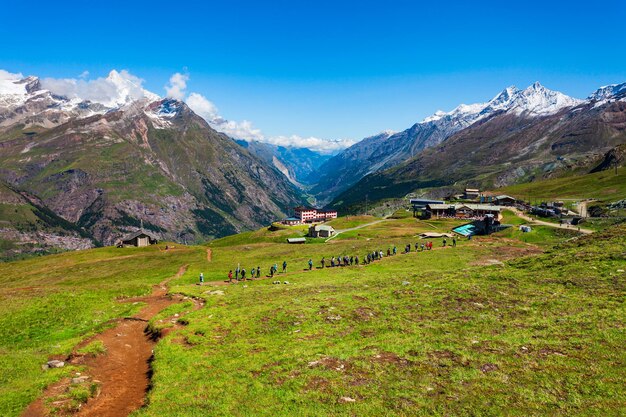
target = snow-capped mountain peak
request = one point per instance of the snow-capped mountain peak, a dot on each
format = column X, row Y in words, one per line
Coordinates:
column 608, row 92
column 535, row 100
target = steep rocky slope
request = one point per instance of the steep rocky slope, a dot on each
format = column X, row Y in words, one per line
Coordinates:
column 149, row 160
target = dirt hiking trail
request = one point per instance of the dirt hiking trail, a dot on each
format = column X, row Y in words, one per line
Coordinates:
column 122, row 374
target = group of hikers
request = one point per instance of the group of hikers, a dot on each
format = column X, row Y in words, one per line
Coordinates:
column 240, row 274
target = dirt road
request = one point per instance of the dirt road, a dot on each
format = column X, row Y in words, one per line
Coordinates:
column 529, row 219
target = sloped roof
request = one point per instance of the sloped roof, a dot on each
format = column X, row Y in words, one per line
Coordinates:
column 320, row 227
column 440, row 206
column 138, row 233
column 503, row 196
column 296, row 240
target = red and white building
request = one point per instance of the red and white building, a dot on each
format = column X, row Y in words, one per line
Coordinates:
column 311, row 215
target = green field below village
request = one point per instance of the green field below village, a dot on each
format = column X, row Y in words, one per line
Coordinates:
column 514, row 324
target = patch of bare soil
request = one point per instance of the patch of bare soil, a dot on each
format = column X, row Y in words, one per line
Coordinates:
column 122, row 374
column 504, row 252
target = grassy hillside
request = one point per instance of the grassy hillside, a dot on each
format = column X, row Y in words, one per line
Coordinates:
column 499, row 325
column 604, row 186
column 49, row 304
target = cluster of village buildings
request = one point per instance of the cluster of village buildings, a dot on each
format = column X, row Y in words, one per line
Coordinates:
column 474, row 206
column 303, row 215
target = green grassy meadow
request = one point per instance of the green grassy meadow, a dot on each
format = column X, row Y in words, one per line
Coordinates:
column 603, row 186
column 510, row 324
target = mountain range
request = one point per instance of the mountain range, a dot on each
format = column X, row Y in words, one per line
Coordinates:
column 138, row 160
column 519, row 135
column 77, row 172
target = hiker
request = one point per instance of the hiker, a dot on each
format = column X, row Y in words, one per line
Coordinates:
column 388, row 252
column 453, row 241
column 416, row 246
column 356, row 260
column 469, row 237
column 284, row 266
column 381, row 254
column 346, row 260
column 323, row 262
column 276, row 268
column 444, row 242
column 423, row 247
column 351, row 260
column 201, row 278
column 332, row 261
column 258, row 272
column 395, row 250
column 237, row 273
column 310, row 264
column 243, row 274
column 230, row 276
column 252, row 271
column 272, row 271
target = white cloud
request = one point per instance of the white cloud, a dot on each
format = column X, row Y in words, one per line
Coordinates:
column 6, row 75
column 177, row 86
column 117, row 89
column 202, row 106
column 245, row 130
column 84, row 74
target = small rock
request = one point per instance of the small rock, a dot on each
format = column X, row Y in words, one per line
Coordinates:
column 56, row 364
column 406, row 283
column 80, row 379
column 346, row 400
column 286, row 282
column 489, row 367
column 176, row 315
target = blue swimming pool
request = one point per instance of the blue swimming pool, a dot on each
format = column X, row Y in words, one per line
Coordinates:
column 465, row 230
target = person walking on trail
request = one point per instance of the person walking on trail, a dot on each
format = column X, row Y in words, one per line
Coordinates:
column 284, row 266
column 272, row 271
column 388, row 252
column 258, row 272
column 416, row 246
column 323, row 262
column 310, row 264
column 453, row 241
column 243, row 274
column 351, row 260
column 356, row 260
column 444, row 242
column 423, row 247
column 237, row 273
column 395, row 250
column 230, row 276
column 332, row 261
column 380, row 255
column 201, row 278
column 252, row 271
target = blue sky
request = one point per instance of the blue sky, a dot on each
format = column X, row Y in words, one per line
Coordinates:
column 325, row 69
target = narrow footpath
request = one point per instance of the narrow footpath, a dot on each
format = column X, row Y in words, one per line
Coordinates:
column 122, row 374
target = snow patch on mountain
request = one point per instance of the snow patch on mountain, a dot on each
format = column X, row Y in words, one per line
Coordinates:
column 608, row 93
column 534, row 101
